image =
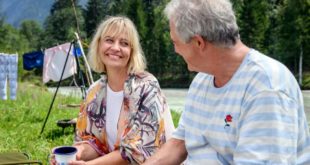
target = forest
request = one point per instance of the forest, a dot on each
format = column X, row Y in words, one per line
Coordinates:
column 278, row 28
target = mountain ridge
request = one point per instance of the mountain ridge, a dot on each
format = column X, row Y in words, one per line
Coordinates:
column 16, row 11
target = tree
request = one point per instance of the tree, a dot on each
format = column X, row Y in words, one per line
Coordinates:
column 11, row 41
column 254, row 22
column 95, row 11
column 62, row 4
column 61, row 24
column 271, row 35
column 294, row 33
column 32, row 31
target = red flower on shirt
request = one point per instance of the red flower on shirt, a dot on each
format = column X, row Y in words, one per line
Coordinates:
column 228, row 119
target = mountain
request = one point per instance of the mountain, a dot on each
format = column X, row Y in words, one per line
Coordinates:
column 16, row 11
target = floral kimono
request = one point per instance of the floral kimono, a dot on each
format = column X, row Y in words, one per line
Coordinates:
column 141, row 129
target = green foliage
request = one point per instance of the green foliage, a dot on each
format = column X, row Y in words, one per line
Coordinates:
column 153, row 28
column 21, row 122
column 306, row 81
column 175, row 117
column 278, row 28
column 294, row 33
column 95, row 11
column 62, row 4
column 32, row 31
column 11, row 41
column 149, row 20
column 62, row 23
column 116, row 7
column 253, row 23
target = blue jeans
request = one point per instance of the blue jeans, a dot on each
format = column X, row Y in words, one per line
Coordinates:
column 8, row 73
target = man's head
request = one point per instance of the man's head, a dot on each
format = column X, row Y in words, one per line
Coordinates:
column 213, row 20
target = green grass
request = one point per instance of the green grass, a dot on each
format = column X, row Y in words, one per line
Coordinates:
column 175, row 117
column 21, row 122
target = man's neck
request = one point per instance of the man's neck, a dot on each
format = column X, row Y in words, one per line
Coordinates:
column 229, row 60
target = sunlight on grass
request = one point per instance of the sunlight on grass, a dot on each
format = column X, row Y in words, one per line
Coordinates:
column 21, row 122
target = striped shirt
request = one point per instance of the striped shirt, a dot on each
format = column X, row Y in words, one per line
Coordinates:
column 256, row 118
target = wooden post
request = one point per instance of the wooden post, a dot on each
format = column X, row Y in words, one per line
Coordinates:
column 91, row 80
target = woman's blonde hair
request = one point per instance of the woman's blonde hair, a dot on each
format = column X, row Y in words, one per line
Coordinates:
column 115, row 26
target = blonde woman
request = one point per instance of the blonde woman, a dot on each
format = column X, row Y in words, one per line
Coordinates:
column 124, row 118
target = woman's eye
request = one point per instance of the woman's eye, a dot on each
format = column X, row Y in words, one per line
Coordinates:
column 109, row 40
column 125, row 44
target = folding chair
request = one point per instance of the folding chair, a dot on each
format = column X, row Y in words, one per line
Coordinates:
column 16, row 158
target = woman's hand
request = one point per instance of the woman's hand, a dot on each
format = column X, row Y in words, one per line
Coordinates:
column 80, row 149
column 77, row 162
column 85, row 152
column 52, row 159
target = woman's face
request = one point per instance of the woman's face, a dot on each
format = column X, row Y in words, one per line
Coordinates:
column 115, row 51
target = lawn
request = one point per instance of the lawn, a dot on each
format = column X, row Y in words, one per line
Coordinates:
column 21, row 121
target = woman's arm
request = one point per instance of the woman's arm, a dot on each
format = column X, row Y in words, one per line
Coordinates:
column 108, row 159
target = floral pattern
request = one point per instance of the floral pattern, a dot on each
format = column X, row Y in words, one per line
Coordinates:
column 141, row 124
column 228, row 120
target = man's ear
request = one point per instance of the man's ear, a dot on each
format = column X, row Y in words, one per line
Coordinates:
column 199, row 42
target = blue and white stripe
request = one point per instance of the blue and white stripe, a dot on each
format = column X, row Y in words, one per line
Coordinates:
column 268, row 126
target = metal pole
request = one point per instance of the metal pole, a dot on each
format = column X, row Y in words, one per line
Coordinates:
column 58, row 85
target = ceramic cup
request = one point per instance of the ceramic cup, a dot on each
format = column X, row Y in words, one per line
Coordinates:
column 64, row 154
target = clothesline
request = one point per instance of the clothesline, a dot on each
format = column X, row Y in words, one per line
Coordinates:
column 52, row 60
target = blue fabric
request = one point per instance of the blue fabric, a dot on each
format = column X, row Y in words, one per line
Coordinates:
column 33, row 60
column 77, row 51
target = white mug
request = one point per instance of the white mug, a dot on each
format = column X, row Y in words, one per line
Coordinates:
column 64, row 154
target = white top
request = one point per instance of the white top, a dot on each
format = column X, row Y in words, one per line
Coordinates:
column 114, row 104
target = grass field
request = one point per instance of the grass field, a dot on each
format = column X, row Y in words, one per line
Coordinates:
column 21, row 120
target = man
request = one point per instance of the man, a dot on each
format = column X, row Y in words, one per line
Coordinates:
column 242, row 107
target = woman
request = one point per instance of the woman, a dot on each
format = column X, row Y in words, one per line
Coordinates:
column 124, row 118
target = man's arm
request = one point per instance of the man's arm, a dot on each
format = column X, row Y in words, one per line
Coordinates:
column 173, row 152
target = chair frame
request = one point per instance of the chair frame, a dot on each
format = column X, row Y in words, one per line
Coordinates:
column 9, row 158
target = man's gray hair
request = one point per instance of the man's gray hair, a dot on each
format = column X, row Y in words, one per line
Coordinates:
column 214, row 20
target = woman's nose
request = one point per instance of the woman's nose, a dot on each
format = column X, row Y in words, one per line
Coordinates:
column 116, row 46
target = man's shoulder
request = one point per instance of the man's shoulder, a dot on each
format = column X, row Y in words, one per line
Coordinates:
column 267, row 69
column 263, row 73
column 265, row 63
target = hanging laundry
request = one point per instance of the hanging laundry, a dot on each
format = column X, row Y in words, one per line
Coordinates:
column 54, row 61
column 8, row 73
column 33, row 60
column 77, row 52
